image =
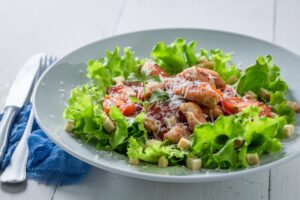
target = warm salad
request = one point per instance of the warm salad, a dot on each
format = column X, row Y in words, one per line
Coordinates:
column 181, row 107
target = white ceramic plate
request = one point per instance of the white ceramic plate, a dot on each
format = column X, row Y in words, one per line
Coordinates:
column 53, row 89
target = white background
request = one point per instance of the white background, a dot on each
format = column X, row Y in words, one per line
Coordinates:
column 57, row 27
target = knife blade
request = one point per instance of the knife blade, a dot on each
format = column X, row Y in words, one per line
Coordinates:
column 16, row 98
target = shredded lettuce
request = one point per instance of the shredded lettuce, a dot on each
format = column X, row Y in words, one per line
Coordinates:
column 225, row 143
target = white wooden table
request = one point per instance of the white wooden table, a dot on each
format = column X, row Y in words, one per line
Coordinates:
column 57, row 27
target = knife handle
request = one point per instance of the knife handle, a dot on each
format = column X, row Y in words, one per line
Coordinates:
column 6, row 122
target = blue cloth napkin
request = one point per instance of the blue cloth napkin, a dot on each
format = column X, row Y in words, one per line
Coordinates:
column 47, row 163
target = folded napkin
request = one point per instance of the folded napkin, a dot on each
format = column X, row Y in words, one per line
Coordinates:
column 47, row 163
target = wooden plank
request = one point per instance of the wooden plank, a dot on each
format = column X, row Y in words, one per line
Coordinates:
column 104, row 185
column 247, row 17
column 55, row 27
column 27, row 190
column 287, row 25
column 253, row 18
column 285, row 179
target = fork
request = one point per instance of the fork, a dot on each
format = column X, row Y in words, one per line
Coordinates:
column 15, row 172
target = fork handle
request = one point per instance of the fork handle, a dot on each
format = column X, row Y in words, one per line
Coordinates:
column 15, row 172
column 6, row 122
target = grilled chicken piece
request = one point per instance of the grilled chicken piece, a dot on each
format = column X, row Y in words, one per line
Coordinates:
column 214, row 112
column 203, row 75
column 193, row 114
column 152, row 125
column 204, row 63
column 119, row 80
column 176, row 133
column 200, row 93
column 151, row 86
column 152, row 69
column 122, row 91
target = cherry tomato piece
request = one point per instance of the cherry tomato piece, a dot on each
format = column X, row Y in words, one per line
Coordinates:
column 128, row 109
column 234, row 105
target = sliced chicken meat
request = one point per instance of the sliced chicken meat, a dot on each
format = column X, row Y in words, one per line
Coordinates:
column 176, row 133
column 204, row 75
column 193, row 114
column 150, row 87
column 152, row 69
column 212, row 113
column 199, row 92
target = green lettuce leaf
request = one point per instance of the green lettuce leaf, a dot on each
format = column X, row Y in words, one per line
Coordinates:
column 229, row 157
column 152, row 152
column 121, row 133
column 103, row 70
column 264, row 74
column 81, row 102
column 286, row 111
column 136, row 127
column 190, row 53
column 178, row 56
column 226, row 143
column 172, row 58
column 81, row 108
column 261, row 132
column 223, row 65
column 277, row 97
column 86, row 113
column 126, row 128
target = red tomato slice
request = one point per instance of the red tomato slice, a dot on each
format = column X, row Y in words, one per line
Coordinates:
column 234, row 105
column 117, row 99
column 106, row 106
column 127, row 109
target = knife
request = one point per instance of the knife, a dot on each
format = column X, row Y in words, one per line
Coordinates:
column 16, row 98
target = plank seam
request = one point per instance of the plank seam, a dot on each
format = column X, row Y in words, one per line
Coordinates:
column 52, row 197
column 119, row 17
column 269, row 186
column 273, row 40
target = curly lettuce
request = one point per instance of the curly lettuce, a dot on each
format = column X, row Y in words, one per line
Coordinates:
column 86, row 113
column 226, row 143
column 102, row 71
column 265, row 75
column 223, row 65
column 82, row 110
column 137, row 149
column 179, row 55
column 173, row 58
